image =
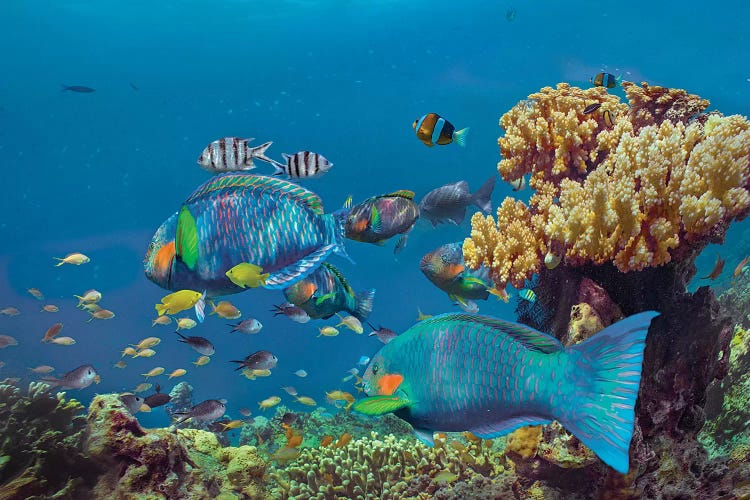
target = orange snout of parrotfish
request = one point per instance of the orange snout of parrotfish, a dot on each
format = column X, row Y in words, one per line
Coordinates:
column 387, row 384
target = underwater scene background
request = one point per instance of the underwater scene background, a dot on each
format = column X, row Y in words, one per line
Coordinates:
column 97, row 168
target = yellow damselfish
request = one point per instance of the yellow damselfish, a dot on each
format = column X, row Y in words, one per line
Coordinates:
column 247, row 275
column 177, row 302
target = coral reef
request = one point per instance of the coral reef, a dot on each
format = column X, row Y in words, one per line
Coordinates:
column 42, row 436
column 653, row 187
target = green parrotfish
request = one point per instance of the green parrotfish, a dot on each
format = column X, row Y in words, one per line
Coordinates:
column 460, row 372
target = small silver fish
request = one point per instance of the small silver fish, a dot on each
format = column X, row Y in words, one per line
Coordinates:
column 80, row 378
column 231, row 154
column 296, row 314
column 248, row 326
column 448, row 203
column 211, row 409
column 259, row 360
column 132, row 402
column 303, row 165
column 383, row 334
column 199, row 344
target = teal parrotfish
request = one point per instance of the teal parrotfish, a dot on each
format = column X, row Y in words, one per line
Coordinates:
column 379, row 218
column 239, row 218
column 446, row 269
column 325, row 292
column 460, row 372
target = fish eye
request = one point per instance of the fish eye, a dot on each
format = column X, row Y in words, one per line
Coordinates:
column 375, row 369
column 444, row 258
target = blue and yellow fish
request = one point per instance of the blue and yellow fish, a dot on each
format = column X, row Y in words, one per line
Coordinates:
column 235, row 218
column 460, row 372
column 325, row 292
column 433, row 129
column 605, row 80
column 446, row 269
column 381, row 217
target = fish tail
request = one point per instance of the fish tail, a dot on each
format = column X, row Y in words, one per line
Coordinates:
column 459, row 136
column 482, row 198
column 364, row 305
column 64, row 87
column 161, row 309
column 601, row 413
column 278, row 168
column 258, row 152
column 62, row 261
column 339, row 232
column 51, row 381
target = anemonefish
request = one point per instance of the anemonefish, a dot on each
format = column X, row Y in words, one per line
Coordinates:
column 605, row 80
column 433, row 129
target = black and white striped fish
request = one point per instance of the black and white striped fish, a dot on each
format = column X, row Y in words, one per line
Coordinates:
column 231, row 154
column 303, row 165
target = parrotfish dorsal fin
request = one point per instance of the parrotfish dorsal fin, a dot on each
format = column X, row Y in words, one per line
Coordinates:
column 401, row 193
column 252, row 181
column 529, row 337
column 186, row 239
column 340, row 277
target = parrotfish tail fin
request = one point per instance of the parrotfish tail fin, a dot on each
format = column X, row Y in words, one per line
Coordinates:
column 482, row 198
column 459, row 136
column 364, row 303
column 291, row 274
column 278, row 168
column 339, row 232
column 258, row 152
column 610, row 363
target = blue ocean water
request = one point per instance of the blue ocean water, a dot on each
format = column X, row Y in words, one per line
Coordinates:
column 98, row 173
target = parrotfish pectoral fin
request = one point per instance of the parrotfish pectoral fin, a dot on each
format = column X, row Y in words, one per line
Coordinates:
column 471, row 280
column 459, row 136
column 299, row 270
column 400, row 244
column 602, row 417
column 339, row 232
column 425, row 436
column 491, row 431
column 323, row 298
column 187, row 238
column 376, row 223
column 380, row 405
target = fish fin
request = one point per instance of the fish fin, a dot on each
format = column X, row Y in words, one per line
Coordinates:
column 161, row 309
column 323, row 298
column 339, row 233
column 182, row 337
column 380, row 405
column 278, row 168
column 529, row 337
column 458, row 218
column 482, row 197
column 62, row 261
column 425, row 436
column 200, row 307
column 364, row 303
column 476, row 281
column 292, row 273
column 459, row 136
column 401, row 193
column 401, row 243
column 187, row 238
column 490, row 431
column 258, row 152
column 51, row 381
column 458, row 299
column 340, row 277
column 376, row 223
column 602, row 414
column 348, row 202
column 262, row 182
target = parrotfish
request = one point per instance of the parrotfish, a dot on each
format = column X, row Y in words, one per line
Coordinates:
column 460, row 372
column 235, row 218
column 448, row 203
column 326, row 292
column 446, row 269
column 381, row 217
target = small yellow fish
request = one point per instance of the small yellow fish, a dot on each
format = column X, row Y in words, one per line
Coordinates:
column 247, row 275
column 421, row 316
column 203, row 360
column 179, row 372
column 270, row 402
column 226, row 310
column 42, row 369
column 154, row 372
column 179, row 301
column 144, row 353
column 445, row 476
column 161, row 320
column 552, row 260
column 50, row 308
column 351, row 323
column 233, row 424
column 91, row 308
column 253, row 374
column 10, row 311
column 147, row 342
column 120, row 364
column 186, row 323
column 145, row 408
column 88, row 297
column 129, row 351
column 63, row 340
column 36, row 293
column 73, row 258
column 305, row 400
column 143, row 387
column 101, row 314
column 328, row 331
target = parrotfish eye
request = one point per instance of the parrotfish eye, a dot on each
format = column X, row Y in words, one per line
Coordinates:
column 375, row 369
column 444, row 259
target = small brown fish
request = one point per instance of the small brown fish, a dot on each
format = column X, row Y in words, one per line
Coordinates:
column 38, row 295
column 718, row 268
column 161, row 320
column 225, row 309
column 52, row 332
column 326, row 440
column 284, row 455
column 50, row 308
column 101, row 314
column 591, row 108
column 294, row 441
column 42, row 369
column 343, row 440
column 10, row 311
column 7, row 340
column 75, row 259
column 120, row 364
column 737, row 270
column 63, row 340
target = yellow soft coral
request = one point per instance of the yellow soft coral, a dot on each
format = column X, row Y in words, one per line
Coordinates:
column 630, row 193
